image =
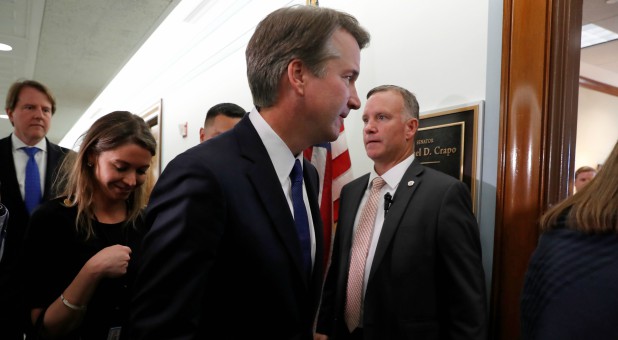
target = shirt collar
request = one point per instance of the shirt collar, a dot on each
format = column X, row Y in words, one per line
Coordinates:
column 18, row 144
column 280, row 155
column 394, row 175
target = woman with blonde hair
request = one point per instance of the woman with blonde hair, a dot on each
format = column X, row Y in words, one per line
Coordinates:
column 81, row 247
column 570, row 287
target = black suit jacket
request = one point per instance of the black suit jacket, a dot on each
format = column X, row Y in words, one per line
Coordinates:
column 426, row 279
column 19, row 217
column 222, row 259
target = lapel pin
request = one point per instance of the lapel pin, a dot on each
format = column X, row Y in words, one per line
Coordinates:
column 410, row 183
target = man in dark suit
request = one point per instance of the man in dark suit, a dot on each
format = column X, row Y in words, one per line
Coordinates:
column 235, row 248
column 30, row 106
column 420, row 274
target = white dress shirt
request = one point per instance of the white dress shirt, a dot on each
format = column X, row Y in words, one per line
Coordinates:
column 283, row 161
column 392, row 178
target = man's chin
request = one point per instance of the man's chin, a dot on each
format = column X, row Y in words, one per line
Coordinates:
column 332, row 136
column 369, row 153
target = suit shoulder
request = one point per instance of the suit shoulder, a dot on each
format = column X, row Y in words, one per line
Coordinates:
column 5, row 145
column 440, row 176
column 58, row 148
column 439, row 182
column 210, row 154
column 362, row 180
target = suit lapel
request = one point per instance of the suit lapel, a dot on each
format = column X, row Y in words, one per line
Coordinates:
column 311, row 184
column 54, row 154
column 263, row 177
column 405, row 190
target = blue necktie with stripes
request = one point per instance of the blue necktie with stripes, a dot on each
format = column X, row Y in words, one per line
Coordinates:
column 300, row 214
column 33, row 181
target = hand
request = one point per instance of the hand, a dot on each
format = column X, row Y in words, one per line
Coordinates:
column 318, row 336
column 110, row 262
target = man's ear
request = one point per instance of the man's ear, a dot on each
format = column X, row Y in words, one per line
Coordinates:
column 10, row 114
column 411, row 128
column 202, row 133
column 296, row 76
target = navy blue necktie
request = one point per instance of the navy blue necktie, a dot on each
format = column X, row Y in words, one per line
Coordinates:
column 33, row 181
column 300, row 214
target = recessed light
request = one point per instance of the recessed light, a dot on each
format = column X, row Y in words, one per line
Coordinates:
column 594, row 35
column 4, row 116
column 5, row 47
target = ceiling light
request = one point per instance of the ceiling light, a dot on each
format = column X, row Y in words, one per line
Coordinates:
column 4, row 116
column 611, row 2
column 5, row 47
column 594, row 35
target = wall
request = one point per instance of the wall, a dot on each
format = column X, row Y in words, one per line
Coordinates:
column 597, row 120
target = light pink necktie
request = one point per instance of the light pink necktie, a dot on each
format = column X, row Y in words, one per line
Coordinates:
column 360, row 249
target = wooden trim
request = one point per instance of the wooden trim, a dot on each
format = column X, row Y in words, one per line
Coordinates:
column 537, row 139
column 560, row 135
column 598, row 86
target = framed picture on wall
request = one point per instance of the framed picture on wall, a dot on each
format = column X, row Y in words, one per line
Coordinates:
column 153, row 115
column 448, row 140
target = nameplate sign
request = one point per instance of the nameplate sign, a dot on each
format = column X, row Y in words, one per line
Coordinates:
column 447, row 141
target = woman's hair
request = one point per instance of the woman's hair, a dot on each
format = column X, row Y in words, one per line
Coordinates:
column 109, row 132
column 594, row 209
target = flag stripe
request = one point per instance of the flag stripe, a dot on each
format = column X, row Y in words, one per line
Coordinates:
column 332, row 161
column 341, row 164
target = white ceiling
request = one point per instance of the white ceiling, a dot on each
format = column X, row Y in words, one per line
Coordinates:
column 602, row 56
column 76, row 47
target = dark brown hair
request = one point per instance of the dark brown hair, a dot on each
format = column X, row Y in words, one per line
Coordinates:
column 297, row 32
column 107, row 133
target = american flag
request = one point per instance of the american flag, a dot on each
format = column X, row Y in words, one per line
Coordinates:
column 332, row 160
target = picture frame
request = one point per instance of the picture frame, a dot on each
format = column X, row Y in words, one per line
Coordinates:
column 153, row 117
column 447, row 140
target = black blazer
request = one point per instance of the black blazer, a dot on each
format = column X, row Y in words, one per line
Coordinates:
column 19, row 217
column 426, row 279
column 222, row 259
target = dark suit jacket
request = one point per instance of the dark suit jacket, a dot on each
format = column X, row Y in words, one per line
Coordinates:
column 12, row 199
column 222, row 259
column 426, row 279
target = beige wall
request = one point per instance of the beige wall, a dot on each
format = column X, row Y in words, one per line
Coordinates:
column 597, row 127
